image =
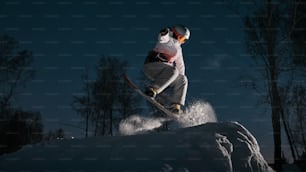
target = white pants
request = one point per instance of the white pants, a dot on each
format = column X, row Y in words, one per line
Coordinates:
column 163, row 75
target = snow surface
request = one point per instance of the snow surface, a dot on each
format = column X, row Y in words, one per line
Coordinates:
column 201, row 145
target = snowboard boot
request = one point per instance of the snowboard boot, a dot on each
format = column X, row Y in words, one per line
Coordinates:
column 151, row 92
column 175, row 108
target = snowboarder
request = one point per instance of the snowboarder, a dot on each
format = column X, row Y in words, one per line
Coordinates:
column 165, row 66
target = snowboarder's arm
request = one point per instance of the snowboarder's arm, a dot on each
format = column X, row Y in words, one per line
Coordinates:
column 180, row 65
column 164, row 35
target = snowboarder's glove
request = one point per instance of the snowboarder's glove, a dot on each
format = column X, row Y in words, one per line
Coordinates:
column 164, row 31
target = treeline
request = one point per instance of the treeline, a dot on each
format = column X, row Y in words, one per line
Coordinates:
column 107, row 99
column 102, row 102
column 17, row 126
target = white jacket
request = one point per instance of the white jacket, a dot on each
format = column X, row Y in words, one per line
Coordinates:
column 172, row 49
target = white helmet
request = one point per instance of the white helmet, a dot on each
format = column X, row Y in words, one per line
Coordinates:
column 181, row 30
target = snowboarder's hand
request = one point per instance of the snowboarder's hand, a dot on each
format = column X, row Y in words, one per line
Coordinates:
column 164, row 31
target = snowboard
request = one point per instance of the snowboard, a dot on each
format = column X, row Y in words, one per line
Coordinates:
column 155, row 103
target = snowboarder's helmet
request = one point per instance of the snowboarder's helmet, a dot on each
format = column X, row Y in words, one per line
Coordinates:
column 182, row 33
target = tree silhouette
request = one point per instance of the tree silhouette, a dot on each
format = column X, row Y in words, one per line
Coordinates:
column 83, row 104
column 272, row 42
column 20, row 128
column 17, row 127
column 107, row 99
column 15, row 69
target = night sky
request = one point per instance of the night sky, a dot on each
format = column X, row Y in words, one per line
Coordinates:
column 66, row 36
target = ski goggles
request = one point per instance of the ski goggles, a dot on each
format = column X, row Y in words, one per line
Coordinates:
column 179, row 37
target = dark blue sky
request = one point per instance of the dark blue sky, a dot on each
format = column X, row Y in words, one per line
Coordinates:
column 67, row 35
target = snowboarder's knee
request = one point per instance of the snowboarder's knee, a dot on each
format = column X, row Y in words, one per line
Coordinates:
column 175, row 72
column 184, row 79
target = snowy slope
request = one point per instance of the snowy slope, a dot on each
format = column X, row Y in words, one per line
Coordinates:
column 212, row 146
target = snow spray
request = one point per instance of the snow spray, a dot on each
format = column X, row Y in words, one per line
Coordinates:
column 197, row 113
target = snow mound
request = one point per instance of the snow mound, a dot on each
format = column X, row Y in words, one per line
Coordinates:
column 225, row 146
column 196, row 113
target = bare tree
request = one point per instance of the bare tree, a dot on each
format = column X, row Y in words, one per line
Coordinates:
column 270, row 31
column 15, row 69
column 105, row 92
column 275, row 35
column 261, row 43
column 17, row 127
column 297, row 33
column 298, row 104
column 113, row 100
column 83, row 104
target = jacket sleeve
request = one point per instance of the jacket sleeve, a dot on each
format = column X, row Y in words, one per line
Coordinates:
column 180, row 65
